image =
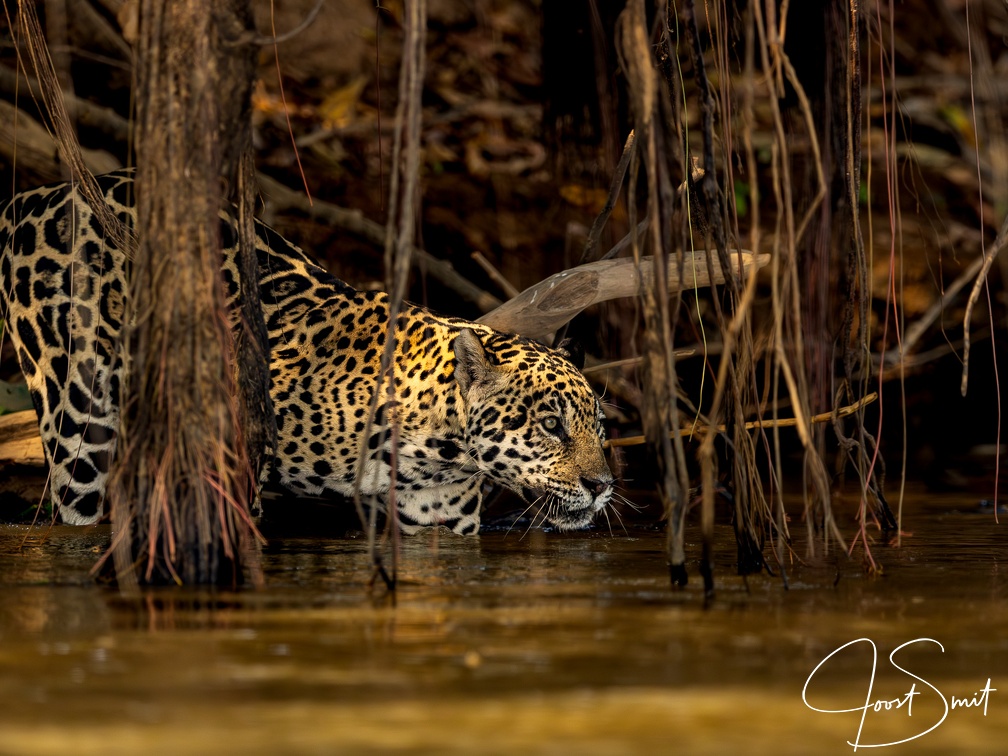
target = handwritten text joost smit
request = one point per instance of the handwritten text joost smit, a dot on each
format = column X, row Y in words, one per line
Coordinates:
column 902, row 704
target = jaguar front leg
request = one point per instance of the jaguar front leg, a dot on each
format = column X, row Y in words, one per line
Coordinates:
column 456, row 506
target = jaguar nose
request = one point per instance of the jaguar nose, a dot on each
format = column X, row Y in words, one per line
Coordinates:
column 595, row 486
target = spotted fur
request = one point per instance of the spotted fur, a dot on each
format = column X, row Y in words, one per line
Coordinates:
column 470, row 404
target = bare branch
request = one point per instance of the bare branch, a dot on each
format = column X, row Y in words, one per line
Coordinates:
column 542, row 309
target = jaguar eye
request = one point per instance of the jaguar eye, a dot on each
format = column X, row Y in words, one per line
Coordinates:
column 551, row 423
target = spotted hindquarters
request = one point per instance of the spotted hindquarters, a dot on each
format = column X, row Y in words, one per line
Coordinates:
column 63, row 296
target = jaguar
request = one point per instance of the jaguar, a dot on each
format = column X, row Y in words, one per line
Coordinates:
column 470, row 405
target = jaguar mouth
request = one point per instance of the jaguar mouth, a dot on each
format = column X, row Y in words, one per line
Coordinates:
column 576, row 519
column 560, row 512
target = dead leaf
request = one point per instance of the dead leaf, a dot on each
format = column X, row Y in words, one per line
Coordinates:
column 588, row 198
column 339, row 108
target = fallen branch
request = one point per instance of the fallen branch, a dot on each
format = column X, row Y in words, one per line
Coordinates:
column 21, row 441
column 83, row 112
column 35, row 151
column 355, row 222
column 495, row 275
column 542, row 309
column 786, row 422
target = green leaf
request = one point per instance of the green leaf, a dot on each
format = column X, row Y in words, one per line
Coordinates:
column 741, row 198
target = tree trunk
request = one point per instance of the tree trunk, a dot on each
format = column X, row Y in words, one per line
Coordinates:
column 180, row 498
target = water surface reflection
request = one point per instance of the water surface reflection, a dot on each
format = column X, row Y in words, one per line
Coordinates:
column 500, row 644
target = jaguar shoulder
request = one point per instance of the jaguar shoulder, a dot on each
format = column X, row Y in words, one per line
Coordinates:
column 469, row 405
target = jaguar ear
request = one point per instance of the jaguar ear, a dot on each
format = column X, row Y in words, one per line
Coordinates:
column 573, row 351
column 471, row 365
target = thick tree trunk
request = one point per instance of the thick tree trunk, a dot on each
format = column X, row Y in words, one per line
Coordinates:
column 181, row 494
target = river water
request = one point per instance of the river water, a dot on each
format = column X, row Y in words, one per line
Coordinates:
column 510, row 643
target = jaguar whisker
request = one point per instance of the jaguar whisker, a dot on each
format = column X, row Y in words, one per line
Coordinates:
column 519, row 516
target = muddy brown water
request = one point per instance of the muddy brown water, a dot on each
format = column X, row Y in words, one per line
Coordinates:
column 511, row 643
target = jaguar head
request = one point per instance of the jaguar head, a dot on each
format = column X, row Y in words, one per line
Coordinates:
column 533, row 424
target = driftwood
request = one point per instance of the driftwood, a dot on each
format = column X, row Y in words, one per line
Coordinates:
column 542, row 309
column 19, row 439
